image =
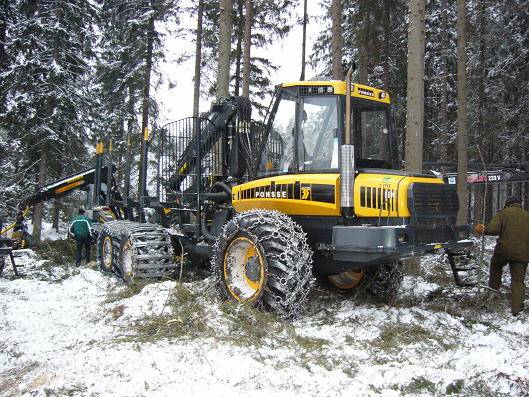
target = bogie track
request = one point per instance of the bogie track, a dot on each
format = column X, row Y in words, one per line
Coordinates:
column 135, row 251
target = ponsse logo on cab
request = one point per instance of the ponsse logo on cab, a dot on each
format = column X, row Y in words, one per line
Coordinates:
column 288, row 191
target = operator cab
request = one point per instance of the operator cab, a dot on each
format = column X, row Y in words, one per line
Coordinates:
column 306, row 125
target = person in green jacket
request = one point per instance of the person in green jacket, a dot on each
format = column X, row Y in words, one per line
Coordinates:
column 81, row 229
column 512, row 226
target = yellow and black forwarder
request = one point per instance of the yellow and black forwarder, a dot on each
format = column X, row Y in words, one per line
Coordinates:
column 313, row 190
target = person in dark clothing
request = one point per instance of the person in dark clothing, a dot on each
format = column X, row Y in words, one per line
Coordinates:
column 81, row 229
column 512, row 247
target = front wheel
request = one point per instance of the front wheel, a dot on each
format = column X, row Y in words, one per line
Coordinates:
column 262, row 258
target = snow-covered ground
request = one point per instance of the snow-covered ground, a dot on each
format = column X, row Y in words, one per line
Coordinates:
column 68, row 331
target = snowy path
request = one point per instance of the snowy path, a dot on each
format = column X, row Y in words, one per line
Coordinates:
column 71, row 332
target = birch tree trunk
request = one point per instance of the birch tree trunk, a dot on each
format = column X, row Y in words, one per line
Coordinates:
column 337, row 40
column 415, row 93
column 198, row 59
column 462, row 140
column 223, row 71
column 247, row 49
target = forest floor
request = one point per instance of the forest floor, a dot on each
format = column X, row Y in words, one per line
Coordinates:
column 69, row 331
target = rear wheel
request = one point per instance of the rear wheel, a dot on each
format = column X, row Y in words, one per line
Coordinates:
column 384, row 281
column 344, row 282
column 347, row 281
column 135, row 251
column 262, row 258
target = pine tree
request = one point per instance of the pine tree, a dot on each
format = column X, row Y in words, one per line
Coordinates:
column 415, row 104
column 225, row 31
column 337, row 43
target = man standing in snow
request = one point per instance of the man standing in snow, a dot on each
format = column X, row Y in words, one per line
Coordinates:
column 81, row 229
column 512, row 226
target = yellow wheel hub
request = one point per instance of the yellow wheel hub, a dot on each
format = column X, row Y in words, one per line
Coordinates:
column 347, row 280
column 244, row 270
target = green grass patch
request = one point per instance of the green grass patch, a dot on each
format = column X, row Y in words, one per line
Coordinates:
column 393, row 337
column 418, row 385
column 187, row 315
column 60, row 252
column 469, row 305
column 183, row 316
column 124, row 291
column 456, row 387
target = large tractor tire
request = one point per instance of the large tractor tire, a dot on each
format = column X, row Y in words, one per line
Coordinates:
column 135, row 251
column 384, row 281
column 262, row 258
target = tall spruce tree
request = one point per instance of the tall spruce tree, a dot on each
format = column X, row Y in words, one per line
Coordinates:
column 45, row 86
column 131, row 46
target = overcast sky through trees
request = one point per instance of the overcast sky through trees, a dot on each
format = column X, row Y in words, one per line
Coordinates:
column 177, row 101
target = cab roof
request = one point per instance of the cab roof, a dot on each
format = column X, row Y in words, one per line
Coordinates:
column 339, row 88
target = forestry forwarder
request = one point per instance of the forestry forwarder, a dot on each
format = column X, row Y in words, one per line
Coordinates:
column 315, row 189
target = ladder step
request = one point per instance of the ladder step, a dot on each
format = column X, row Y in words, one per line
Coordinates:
column 464, row 269
column 461, row 268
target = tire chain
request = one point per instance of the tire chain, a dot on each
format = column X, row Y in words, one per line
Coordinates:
column 384, row 281
column 290, row 273
column 2, row 263
column 146, row 234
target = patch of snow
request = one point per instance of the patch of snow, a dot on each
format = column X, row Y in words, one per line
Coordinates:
column 48, row 232
column 60, row 337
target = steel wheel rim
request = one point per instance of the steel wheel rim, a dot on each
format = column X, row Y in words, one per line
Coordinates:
column 244, row 270
column 107, row 252
column 347, row 280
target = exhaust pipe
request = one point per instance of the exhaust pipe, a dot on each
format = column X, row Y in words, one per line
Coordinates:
column 347, row 161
